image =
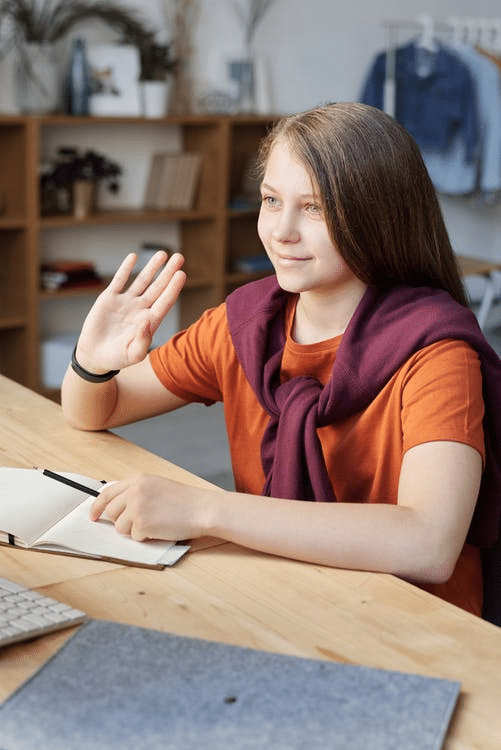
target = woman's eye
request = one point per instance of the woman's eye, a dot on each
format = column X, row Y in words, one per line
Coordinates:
column 270, row 200
column 314, row 208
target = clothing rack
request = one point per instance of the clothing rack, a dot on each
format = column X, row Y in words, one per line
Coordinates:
column 474, row 30
column 482, row 32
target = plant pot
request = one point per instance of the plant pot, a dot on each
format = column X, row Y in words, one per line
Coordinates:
column 36, row 79
column 84, row 198
column 154, row 98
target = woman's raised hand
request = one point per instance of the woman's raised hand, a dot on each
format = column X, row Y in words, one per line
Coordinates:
column 120, row 325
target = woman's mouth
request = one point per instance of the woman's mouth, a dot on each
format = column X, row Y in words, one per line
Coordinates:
column 288, row 260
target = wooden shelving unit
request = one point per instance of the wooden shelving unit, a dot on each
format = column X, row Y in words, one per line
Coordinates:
column 212, row 235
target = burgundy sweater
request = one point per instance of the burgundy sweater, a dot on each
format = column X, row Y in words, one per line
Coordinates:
column 385, row 330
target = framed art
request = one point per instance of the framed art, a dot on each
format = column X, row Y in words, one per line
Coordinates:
column 115, row 80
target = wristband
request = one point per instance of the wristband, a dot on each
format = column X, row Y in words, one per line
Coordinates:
column 90, row 376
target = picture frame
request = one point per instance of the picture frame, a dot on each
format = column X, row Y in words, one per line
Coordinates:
column 115, row 73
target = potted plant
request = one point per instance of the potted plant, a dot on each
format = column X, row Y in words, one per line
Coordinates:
column 156, row 61
column 34, row 27
column 156, row 66
column 70, row 185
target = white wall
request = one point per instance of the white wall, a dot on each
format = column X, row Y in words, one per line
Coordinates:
column 320, row 51
column 317, row 51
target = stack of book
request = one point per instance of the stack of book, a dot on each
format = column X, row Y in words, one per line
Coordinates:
column 172, row 181
column 66, row 274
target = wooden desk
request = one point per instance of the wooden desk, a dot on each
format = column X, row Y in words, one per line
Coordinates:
column 226, row 593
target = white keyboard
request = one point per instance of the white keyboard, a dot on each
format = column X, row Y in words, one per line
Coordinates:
column 25, row 614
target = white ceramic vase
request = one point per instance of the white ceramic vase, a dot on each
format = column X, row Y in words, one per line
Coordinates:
column 154, row 98
column 36, row 79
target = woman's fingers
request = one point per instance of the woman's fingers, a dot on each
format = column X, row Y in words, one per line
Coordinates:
column 105, row 497
column 160, row 280
column 123, row 273
column 165, row 277
column 146, row 276
column 112, row 505
column 167, row 298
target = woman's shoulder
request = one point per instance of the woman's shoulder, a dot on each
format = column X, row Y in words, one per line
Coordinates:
column 443, row 354
column 445, row 375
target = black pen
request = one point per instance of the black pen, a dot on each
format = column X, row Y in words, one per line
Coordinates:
column 69, row 482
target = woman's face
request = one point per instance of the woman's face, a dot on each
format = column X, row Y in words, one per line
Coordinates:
column 293, row 230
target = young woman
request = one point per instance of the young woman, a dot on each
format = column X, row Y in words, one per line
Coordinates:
column 352, row 379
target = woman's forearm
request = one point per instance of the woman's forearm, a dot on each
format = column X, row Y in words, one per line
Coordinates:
column 420, row 538
column 87, row 406
column 135, row 393
column 381, row 538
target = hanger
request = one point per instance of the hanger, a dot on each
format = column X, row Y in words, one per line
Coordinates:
column 485, row 33
column 472, row 31
column 427, row 39
column 458, row 30
column 496, row 35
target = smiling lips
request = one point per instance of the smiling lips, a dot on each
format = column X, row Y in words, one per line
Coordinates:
column 290, row 258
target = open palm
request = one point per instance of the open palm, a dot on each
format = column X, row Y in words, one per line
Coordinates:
column 119, row 327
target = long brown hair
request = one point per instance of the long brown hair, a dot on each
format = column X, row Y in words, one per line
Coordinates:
column 379, row 202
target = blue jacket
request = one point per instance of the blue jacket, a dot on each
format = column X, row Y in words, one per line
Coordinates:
column 449, row 170
column 435, row 96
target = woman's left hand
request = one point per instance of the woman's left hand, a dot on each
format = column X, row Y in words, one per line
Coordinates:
column 153, row 507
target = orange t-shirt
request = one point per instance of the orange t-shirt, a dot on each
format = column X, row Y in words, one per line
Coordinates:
column 435, row 395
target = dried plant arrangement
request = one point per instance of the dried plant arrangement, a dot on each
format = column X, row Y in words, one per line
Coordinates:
column 185, row 16
column 49, row 21
column 251, row 16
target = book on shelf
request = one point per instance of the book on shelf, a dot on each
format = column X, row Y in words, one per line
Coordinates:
column 172, row 181
column 39, row 512
column 67, row 274
column 253, row 264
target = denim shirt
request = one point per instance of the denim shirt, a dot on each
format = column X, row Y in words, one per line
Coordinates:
column 450, row 171
column 435, row 96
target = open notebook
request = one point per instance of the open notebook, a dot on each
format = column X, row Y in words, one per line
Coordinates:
column 39, row 513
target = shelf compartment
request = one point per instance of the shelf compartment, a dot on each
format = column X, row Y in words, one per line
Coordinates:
column 13, row 175
column 14, row 291
column 246, row 136
column 12, row 222
column 243, row 239
column 13, row 353
column 210, row 237
column 75, row 291
column 182, row 120
column 195, row 300
column 206, row 140
column 192, row 282
column 10, row 322
column 124, row 217
column 201, row 244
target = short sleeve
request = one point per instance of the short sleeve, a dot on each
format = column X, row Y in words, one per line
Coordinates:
column 190, row 363
column 442, row 396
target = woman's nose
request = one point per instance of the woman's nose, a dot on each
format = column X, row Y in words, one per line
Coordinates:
column 285, row 230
